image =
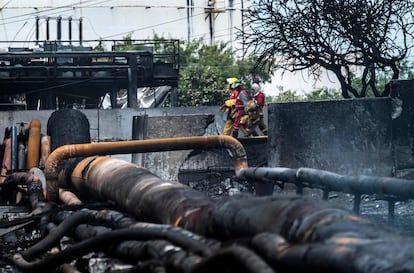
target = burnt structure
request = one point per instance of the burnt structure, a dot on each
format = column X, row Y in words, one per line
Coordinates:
column 66, row 75
column 56, row 73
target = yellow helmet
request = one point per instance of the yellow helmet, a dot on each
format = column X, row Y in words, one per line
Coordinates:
column 231, row 80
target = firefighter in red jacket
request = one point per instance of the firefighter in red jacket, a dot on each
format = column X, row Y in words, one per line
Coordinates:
column 256, row 112
column 241, row 101
column 230, row 106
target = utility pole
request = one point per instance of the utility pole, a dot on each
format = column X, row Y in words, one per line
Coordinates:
column 211, row 10
column 190, row 9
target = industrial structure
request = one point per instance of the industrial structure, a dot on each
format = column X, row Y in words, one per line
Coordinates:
column 65, row 75
column 59, row 73
column 54, row 66
column 68, row 204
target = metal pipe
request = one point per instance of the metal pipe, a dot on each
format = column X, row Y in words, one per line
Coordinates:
column 21, row 157
column 330, row 181
column 362, row 184
column 47, row 29
column 34, row 186
column 80, row 31
column 6, row 159
column 263, row 175
column 40, row 174
column 270, row 174
column 70, row 29
column 59, row 28
column 69, row 198
column 37, row 30
column 137, row 191
column 33, row 144
column 45, row 149
column 139, row 132
column 13, row 137
column 139, row 146
column 132, row 81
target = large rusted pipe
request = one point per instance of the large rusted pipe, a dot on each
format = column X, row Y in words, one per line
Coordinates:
column 6, row 164
column 141, row 193
column 139, row 146
column 294, row 233
column 33, row 144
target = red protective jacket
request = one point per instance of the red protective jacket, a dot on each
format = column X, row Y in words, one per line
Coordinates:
column 234, row 94
column 242, row 99
column 260, row 99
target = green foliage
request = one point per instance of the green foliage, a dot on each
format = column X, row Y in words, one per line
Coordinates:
column 285, row 96
column 126, row 44
column 203, row 74
column 200, row 85
column 406, row 70
column 323, row 94
column 314, row 95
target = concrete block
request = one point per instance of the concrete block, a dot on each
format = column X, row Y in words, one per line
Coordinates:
column 350, row 137
column 402, row 94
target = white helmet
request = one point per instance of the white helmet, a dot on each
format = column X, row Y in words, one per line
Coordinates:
column 256, row 88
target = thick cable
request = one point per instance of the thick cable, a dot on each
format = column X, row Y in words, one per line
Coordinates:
column 56, row 234
column 238, row 258
column 101, row 243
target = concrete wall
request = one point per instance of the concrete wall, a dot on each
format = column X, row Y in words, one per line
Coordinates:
column 167, row 164
column 371, row 136
column 349, row 137
column 402, row 93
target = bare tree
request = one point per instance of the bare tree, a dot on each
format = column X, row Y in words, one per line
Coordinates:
column 355, row 39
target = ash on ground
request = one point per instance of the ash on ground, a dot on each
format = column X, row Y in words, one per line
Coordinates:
column 371, row 207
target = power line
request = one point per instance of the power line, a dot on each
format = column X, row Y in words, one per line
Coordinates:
column 57, row 9
column 152, row 26
column 161, row 24
column 17, row 33
column 93, row 3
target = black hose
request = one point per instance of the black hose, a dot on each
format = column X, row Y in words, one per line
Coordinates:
column 167, row 254
column 22, row 220
column 103, row 241
column 56, row 234
column 234, row 258
column 117, row 220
